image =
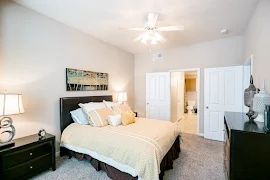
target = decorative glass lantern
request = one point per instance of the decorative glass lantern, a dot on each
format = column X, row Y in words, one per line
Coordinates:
column 248, row 98
column 259, row 101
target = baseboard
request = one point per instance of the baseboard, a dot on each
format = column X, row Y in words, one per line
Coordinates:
column 200, row 134
column 57, row 154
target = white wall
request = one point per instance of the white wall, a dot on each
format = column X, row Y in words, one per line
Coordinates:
column 257, row 43
column 34, row 52
column 222, row 52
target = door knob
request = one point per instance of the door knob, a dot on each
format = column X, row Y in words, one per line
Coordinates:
column 147, row 103
column 206, row 107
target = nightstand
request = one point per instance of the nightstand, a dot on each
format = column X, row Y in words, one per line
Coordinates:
column 29, row 156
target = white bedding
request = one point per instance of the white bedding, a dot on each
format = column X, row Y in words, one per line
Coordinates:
column 152, row 140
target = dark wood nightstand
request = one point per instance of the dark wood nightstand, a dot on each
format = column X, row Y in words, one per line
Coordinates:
column 29, row 156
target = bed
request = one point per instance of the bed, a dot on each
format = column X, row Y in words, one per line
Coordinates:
column 100, row 159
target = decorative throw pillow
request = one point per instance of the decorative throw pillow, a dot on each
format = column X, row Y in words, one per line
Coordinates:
column 79, row 116
column 120, row 109
column 109, row 104
column 91, row 106
column 115, row 120
column 127, row 118
column 99, row 117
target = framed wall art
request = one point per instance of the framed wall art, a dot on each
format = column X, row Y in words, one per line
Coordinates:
column 81, row 80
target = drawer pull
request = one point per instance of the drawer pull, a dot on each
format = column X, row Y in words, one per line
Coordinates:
column 31, row 154
column 31, row 167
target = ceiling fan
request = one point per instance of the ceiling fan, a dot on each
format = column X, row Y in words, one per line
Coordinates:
column 151, row 30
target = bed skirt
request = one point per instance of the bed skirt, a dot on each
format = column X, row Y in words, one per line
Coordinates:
column 113, row 173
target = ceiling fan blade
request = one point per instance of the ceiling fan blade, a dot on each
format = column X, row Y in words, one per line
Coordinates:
column 132, row 29
column 139, row 37
column 171, row 28
column 152, row 19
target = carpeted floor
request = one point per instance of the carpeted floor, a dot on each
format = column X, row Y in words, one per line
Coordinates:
column 200, row 159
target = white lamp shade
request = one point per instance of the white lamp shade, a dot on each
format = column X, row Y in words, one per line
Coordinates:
column 11, row 104
column 122, row 97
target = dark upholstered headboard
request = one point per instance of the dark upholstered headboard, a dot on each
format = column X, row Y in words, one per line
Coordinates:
column 68, row 104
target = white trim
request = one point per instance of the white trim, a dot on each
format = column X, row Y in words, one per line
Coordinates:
column 198, row 92
column 57, row 154
column 250, row 61
column 201, row 134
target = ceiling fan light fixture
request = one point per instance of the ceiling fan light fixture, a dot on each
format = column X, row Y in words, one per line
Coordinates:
column 153, row 41
column 144, row 40
column 151, row 36
column 151, row 30
column 158, row 36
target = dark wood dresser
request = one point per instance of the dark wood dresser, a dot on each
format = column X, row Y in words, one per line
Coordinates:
column 29, row 156
column 246, row 148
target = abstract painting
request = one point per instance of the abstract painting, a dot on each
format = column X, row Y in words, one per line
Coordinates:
column 80, row 80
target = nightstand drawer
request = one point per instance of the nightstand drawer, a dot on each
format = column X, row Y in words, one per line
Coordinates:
column 29, row 168
column 27, row 154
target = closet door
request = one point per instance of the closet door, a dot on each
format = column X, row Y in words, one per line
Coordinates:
column 158, row 96
column 223, row 91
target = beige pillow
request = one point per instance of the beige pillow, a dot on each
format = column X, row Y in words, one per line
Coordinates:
column 99, row 117
column 127, row 118
column 120, row 109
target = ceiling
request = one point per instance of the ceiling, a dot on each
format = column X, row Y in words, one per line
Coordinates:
column 203, row 19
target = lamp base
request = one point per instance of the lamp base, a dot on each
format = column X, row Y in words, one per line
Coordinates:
column 260, row 117
column 6, row 145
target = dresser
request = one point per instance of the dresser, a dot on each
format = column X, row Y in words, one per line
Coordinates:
column 29, row 156
column 246, row 148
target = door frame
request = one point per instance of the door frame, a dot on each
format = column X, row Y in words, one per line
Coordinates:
column 198, row 93
column 249, row 62
column 247, row 71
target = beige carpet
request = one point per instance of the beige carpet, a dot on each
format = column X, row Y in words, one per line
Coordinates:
column 200, row 159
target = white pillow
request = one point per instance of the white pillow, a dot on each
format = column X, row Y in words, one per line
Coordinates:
column 79, row 116
column 109, row 104
column 92, row 106
column 115, row 120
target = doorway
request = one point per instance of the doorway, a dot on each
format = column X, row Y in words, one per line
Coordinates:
column 184, row 99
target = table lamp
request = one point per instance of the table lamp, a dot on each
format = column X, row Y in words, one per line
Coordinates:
column 122, row 97
column 10, row 104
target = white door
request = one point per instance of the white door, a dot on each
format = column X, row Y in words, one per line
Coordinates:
column 180, row 94
column 223, row 91
column 158, row 96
